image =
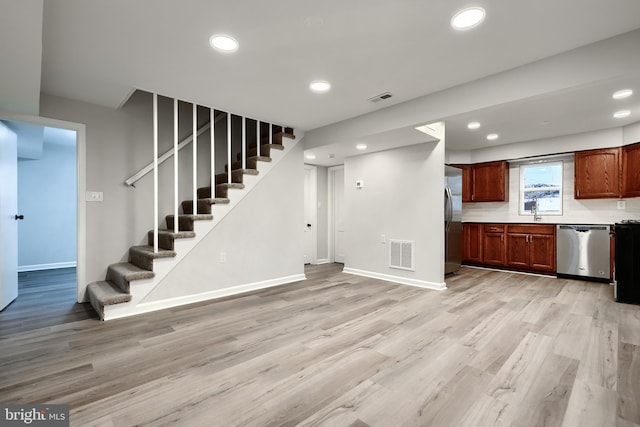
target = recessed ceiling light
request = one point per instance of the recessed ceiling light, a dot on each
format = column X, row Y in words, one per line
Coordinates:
column 492, row 136
column 473, row 125
column 467, row 18
column 622, row 114
column 361, row 146
column 320, row 86
column 621, row 94
column 223, row 43
column 311, row 156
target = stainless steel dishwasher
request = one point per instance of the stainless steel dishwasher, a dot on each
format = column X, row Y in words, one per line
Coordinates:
column 583, row 251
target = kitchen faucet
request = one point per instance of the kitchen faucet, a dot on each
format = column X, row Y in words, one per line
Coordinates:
column 534, row 209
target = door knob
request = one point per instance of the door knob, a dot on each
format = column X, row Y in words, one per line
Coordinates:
column 19, row 217
column 308, row 225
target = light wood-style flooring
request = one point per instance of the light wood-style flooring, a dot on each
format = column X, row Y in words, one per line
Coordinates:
column 495, row 349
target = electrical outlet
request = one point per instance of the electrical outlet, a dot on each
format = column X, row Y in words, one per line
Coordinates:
column 622, row 204
column 223, row 257
column 383, row 238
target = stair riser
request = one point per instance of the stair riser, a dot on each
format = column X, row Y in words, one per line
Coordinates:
column 236, row 177
column 204, row 207
column 118, row 280
column 164, row 241
column 184, row 223
column 141, row 261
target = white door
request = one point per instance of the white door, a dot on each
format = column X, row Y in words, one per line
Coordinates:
column 310, row 214
column 338, row 216
column 8, row 212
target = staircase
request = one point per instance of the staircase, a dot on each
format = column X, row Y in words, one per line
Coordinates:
column 119, row 287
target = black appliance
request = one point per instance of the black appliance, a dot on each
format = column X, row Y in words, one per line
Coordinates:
column 627, row 262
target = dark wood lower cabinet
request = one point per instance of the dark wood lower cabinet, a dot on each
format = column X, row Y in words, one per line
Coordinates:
column 493, row 247
column 518, row 250
column 472, row 242
column 523, row 247
column 542, row 253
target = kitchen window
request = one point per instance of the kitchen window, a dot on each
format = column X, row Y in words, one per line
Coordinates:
column 541, row 184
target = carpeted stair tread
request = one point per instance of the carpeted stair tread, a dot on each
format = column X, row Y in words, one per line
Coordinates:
column 166, row 238
column 121, row 274
column 265, row 150
column 186, row 221
column 277, row 137
column 143, row 256
column 252, row 162
column 106, row 293
column 204, row 205
column 237, row 176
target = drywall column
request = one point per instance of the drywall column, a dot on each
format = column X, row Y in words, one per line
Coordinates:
column 401, row 198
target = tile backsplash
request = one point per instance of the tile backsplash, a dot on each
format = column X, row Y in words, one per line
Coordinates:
column 595, row 211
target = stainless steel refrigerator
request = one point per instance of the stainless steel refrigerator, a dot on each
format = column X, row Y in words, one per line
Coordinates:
column 452, row 219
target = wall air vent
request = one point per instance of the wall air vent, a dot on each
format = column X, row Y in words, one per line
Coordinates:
column 401, row 254
column 381, row 97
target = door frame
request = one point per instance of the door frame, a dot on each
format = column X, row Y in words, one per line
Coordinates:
column 313, row 195
column 331, row 232
column 81, row 208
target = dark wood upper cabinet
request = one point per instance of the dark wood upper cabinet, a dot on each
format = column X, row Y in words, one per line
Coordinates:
column 597, row 174
column 630, row 170
column 467, row 187
column 489, row 182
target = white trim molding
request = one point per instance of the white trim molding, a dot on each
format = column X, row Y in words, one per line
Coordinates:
column 397, row 279
column 206, row 296
column 50, row 266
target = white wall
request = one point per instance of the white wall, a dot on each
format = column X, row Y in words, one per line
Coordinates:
column 21, row 53
column 47, row 197
column 402, row 199
column 631, row 134
column 563, row 144
column 322, row 249
column 262, row 239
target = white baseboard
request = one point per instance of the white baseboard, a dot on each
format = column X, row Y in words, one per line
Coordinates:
column 52, row 266
column 397, row 279
column 205, row 296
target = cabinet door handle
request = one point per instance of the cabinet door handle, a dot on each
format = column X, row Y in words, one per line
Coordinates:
column 578, row 192
column 501, row 237
column 526, row 239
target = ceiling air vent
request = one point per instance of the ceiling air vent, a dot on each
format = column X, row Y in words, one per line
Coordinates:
column 401, row 254
column 381, row 97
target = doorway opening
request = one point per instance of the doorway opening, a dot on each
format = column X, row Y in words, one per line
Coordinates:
column 49, row 249
column 336, row 227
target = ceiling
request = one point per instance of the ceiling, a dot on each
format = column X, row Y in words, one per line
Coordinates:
column 100, row 52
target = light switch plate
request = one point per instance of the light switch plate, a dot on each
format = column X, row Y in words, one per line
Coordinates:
column 94, row 196
column 359, row 183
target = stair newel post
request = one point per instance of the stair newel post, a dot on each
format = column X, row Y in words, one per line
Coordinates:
column 155, row 172
column 175, row 165
column 212, row 130
column 244, row 142
column 228, row 150
column 195, row 159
